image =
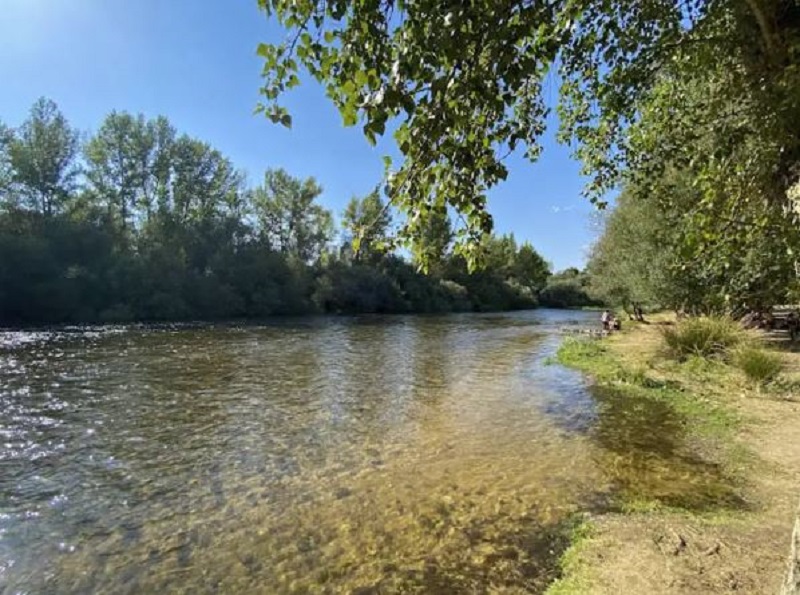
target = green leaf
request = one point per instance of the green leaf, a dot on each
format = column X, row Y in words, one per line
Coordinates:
column 349, row 116
column 293, row 81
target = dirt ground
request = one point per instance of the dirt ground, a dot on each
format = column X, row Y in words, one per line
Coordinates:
column 674, row 552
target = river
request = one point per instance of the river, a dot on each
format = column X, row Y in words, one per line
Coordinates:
column 366, row 455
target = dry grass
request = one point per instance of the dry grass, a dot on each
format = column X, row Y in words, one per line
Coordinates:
column 759, row 365
column 703, row 337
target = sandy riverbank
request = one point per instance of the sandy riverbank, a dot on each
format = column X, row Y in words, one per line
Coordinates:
column 651, row 547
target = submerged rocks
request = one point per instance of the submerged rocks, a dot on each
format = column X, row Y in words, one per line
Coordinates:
column 342, row 492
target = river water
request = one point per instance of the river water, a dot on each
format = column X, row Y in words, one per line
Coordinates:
column 319, row 455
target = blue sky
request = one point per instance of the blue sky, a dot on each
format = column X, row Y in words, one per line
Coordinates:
column 194, row 61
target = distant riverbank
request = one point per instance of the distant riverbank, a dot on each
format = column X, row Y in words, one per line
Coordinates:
column 663, row 535
column 106, row 248
column 283, row 320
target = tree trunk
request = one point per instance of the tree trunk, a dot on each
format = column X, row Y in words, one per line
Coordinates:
column 767, row 27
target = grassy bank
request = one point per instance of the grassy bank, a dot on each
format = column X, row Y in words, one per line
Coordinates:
column 692, row 388
column 686, row 513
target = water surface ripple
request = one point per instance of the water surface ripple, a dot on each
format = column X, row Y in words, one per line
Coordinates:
column 402, row 454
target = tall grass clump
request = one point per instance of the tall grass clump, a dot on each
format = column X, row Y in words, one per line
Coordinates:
column 703, row 337
column 760, row 367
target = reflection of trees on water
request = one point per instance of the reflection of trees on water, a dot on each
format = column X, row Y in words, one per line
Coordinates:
column 644, row 454
column 437, row 355
column 359, row 374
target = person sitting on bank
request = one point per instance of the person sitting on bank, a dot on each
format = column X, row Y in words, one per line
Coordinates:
column 616, row 324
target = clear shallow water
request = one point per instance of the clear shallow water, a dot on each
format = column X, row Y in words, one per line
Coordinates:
column 403, row 454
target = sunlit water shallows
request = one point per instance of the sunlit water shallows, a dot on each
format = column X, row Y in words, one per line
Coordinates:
column 370, row 455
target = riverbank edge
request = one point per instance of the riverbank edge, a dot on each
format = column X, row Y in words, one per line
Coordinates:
column 633, row 361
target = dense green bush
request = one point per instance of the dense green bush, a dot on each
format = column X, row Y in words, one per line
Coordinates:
column 567, row 289
column 357, row 289
column 457, row 295
column 565, row 294
column 704, row 337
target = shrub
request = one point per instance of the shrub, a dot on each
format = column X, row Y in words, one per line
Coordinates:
column 457, row 294
column 357, row 288
column 704, row 337
column 758, row 365
column 565, row 294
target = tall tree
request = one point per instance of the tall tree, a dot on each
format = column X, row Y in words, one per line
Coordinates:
column 634, row 255
column 6, row 172
column 43, row 158
column 289, row 216
column 205, row 184
column 128, row 163
column 159, row 136
column 665, row 247
column 501, row 253
column 530, row 269
column 432, row 240
column 365, row 223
